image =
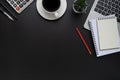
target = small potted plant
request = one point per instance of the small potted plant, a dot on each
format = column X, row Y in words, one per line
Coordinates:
column 79, row 6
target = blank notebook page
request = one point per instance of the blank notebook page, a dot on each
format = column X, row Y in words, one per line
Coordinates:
column 108, row 34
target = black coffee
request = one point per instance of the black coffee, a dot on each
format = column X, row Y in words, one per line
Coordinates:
column 51, row 5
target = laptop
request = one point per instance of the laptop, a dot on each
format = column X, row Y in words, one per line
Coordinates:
column 102, row 8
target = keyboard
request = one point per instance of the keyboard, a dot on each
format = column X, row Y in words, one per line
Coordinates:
column 108, row 7
column 19, row 5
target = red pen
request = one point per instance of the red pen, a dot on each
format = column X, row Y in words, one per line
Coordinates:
column 83, row 40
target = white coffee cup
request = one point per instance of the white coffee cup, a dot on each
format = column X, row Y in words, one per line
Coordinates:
column 51, row 7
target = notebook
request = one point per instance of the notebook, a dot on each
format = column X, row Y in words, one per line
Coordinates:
column 108, row 34
column 105, row 35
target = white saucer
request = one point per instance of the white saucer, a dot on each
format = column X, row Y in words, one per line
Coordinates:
column 47, row 16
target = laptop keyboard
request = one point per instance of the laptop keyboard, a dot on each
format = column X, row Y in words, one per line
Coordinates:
column 108, row 7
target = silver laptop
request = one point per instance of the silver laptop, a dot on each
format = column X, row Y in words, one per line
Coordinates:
column 103, row 8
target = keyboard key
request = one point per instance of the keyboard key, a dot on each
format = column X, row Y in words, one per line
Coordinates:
column 21, row 5
column 100, row 3
column 117, row 6
column 27, row 0
column 116, row 10
column 113, row 5
column 24, row 2
column 116, row 2
column 18, row 2
column 12, row 2
column 9, row 0
column 109, row 11
column 119, row 17
column 96, row 9
column 15, row 0
column 21, row 0
column 113, row 9
column 109, row 3
column 17, row 8
column 102, row 0
column 119, row 12
column 105, row 5
column 103, row 13
column 106, row 1
column 113, row 0
column 109, row 7
column 105, row 9
column 14, row 5
column 100, row 7
column 112, row 12
column 110, row 0
column 100, row 11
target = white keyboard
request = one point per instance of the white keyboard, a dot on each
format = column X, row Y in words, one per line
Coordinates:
column 19, row 5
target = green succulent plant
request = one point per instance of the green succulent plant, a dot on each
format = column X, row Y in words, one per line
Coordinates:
column 80, row 5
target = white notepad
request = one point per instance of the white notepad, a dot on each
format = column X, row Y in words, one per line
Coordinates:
column 104, row 50
column 108, row 33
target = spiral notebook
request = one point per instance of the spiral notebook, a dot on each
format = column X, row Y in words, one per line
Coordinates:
column 105, row 35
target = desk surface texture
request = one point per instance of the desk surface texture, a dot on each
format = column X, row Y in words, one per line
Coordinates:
column 33, row 48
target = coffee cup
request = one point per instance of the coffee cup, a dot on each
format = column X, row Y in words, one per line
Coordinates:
column 51, row 7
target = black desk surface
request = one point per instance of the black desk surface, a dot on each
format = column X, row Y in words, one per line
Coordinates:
column 32, row 48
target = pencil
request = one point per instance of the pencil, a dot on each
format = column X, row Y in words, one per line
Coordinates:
column 83, row 40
